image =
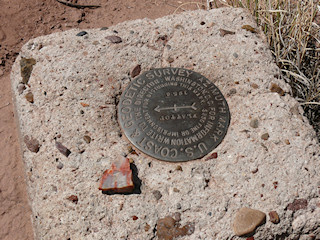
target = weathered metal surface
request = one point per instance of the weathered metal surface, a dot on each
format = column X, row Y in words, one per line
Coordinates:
column 173, row 114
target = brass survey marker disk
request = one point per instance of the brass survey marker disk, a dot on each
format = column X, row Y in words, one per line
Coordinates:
column 173, row 114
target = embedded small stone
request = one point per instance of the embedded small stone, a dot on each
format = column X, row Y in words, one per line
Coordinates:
column 168, row 229
column 73, row 198
column 212, row 156
column 177, row 216
column 29, row 97
column 176, row 190
column 249, row 28
column 170, row 60
column 274, row 217
column 103, row 28
column 254, row 123
column 224, row 32
column 82, row 33
column 136, row 71
column 179, row 168
column 60, row 165
column 147, row 227
column 114, row 39
column 118, row 179
column 21, row 88
column 32, row 144
column 178, row 206
column 298, row 204
column 287, row 141
column 254, row 85
column 275, row 88
column 65, row 151
column 26, row 65
column 265, row 136
column 232, row 91
column 247, row 220
column 157, row 194
column 87, row 139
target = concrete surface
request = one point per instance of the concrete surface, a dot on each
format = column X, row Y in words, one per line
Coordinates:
column 76, row 82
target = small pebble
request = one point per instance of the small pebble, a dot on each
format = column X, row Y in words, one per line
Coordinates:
column 254, row 123
column 249, row 28
column 287, row 141
column 134, row 218
column 275, row 88
column 212, row 156
column 157, row 194
column 274, row 217
column 235, row 55
column 65, row 151
column 170, row 60
column 60, row 165
column 298, row 204
column 177, row 216
column 254, row 85
column 265, row 136
column 29, row 97
column 81, row 33
column 224, row 32
column 179, row 168
column 147, row 227
column 176, row 190
column 114, row 39
column 232, row 91
column 73, row 198
column 32, row 144
column 136, row 71
column 103, row 28
column 178, row 206
column 247, row 220
column 87, row 139
column 21, row 88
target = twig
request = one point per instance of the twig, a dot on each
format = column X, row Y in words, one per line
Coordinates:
column 310, row 103
column 77, row 5
column 5, row 105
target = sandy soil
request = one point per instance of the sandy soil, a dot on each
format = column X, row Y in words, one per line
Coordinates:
column 20, row 21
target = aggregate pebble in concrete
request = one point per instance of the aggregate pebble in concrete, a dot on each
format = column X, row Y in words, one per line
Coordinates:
column 76, row 83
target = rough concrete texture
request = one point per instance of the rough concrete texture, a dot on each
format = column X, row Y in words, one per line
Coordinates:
column 76, row 82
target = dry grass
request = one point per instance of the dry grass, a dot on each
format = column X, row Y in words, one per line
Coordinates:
column 293, row 32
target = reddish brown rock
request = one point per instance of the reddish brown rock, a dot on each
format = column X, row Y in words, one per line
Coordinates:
column 274, row 217
column 169, row 229
column 73, row 198
column 118, row 178
column 297, row 204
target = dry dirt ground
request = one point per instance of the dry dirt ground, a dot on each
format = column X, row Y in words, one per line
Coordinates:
column 20, row 21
